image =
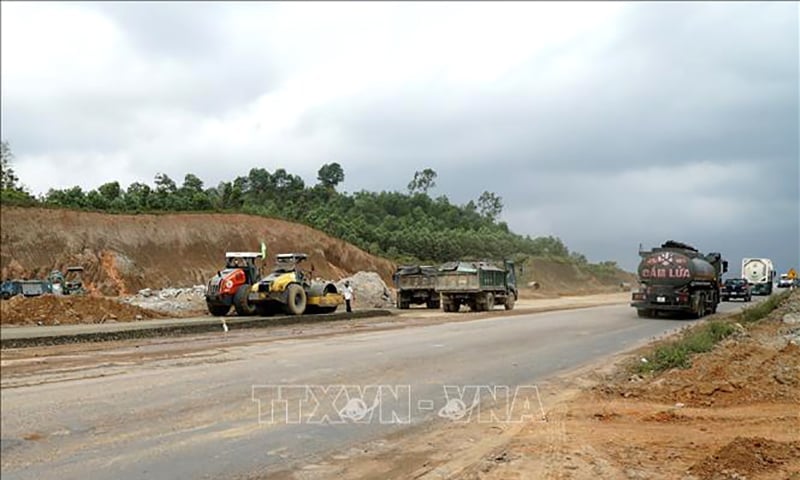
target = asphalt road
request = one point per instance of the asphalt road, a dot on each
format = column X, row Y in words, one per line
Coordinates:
column 197, row 416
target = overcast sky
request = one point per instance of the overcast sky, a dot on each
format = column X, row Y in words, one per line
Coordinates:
column 604, row 124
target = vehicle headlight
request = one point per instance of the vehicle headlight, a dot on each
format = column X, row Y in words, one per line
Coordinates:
column 228, row 284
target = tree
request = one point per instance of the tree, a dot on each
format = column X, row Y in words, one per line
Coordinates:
column 422, row 182
column 9, row 180
column 164, row 184
column 490, row 205
column 330, row 175
column 192, row 184
column 110, row 191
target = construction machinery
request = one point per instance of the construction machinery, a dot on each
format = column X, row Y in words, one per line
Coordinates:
column 73, row 281
column 416, row 284
column 678, row 278
column 479, row 285
column 231, row 285
column 56, row 279
column 291, row 289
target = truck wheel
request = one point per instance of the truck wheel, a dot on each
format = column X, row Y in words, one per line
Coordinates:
column 243, row 307
column 432, row 304
column 644, row 313
column 700, row 311
column 218, row 310
column 510, row 302
column 489, row 302
column 295, row 299
column 6, row 295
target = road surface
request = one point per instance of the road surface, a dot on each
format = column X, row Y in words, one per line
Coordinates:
column 196, row 415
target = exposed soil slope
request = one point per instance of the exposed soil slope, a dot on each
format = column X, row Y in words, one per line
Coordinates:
column 124, row 253
column 564, row 278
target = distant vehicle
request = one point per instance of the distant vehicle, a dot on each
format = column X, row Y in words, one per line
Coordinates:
column 34, row 288
column 73, row 281
column 786, row 282
column 760, row 274
column 10, row 288
column 678, row 278
column 479, row 285
column 736, row 288
column 416, row 285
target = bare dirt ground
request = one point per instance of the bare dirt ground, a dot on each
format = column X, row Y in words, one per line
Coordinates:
column 58, row 310
column 734, row 415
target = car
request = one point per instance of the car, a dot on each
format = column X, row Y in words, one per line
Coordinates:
column 786, row 282
column 735, row 288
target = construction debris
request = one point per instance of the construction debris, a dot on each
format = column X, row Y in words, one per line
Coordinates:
column 173, row 301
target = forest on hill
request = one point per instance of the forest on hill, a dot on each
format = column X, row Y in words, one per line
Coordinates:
column 402, row 226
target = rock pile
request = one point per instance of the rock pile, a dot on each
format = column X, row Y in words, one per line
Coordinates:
column 171, row 300
column 369, row 289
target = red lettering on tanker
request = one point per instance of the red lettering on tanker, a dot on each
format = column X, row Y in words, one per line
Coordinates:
column 666, row 265
column 676, row 272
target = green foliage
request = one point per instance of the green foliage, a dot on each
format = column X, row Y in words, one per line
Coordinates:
column 422, row 181
column 490, row 205
column 678, row 353
column 408, row 227
column 8, row 179
column 11, row 192
column 762, row 309
column 330, row 175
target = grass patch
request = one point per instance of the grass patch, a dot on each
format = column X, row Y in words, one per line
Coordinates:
column 677, row 353
column 762, row 309
column 702, row 338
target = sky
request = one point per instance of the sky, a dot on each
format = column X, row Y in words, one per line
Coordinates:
column 608, row 125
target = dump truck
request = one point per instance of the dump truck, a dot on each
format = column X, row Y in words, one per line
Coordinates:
column 759, row 273
column 416, row 284
column 34, row 288
column 479, row 285
column 230, row 286
column 678, row 278
column 291, row 289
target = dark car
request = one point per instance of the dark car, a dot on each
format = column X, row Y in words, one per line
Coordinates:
column 735, row 288
column 9, row 288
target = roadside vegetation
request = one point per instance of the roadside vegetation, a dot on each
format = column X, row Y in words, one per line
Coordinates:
column 702, row 338
column 762, row 309
column 403, row 226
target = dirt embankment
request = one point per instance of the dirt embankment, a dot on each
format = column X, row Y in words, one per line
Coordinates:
column 555, row 277
column 125, row 253
column 57, row 310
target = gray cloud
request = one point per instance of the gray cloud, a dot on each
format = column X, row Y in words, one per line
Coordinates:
column 662, row 120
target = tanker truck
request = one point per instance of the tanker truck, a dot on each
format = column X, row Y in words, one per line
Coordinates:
column 760, row 274
column 678, row 278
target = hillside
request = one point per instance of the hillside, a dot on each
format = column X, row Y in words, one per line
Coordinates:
column 124, row 253
column 561, row 276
